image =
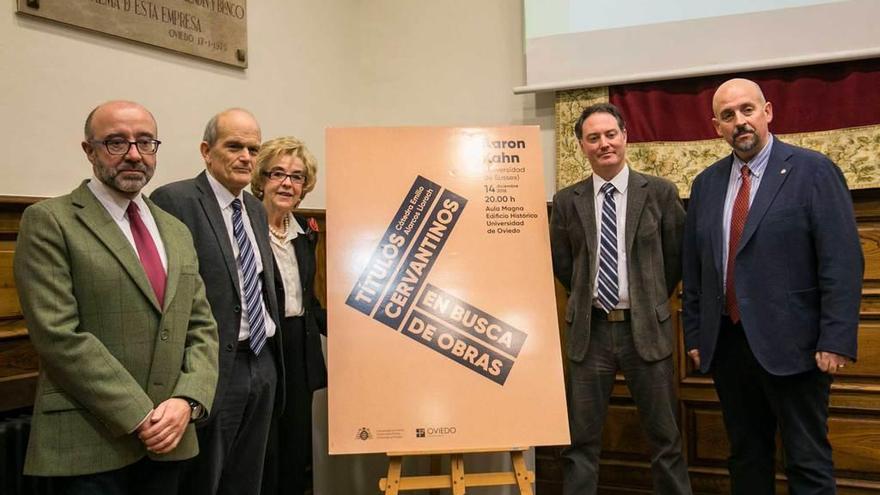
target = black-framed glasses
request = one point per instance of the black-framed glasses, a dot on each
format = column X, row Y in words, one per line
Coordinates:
column 279, row 176
column 120, row 146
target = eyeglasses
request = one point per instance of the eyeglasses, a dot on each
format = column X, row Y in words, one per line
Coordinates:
column 119, row 146
column 279, row 176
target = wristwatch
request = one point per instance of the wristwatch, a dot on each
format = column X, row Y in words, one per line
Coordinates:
column 197, row 410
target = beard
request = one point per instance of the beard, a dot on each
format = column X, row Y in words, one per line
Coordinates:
column 115, row 178
column 749, row 144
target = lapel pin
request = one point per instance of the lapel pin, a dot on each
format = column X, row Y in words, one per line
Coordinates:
column 783, row 171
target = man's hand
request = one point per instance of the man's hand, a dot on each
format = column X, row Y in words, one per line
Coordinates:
column 162, row 431
column 695, row 357
column 830, row 362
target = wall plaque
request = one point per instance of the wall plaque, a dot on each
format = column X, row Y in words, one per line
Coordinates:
column 211, row 29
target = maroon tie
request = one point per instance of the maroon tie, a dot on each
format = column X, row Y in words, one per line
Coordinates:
column 737, row 223
column 147, row 252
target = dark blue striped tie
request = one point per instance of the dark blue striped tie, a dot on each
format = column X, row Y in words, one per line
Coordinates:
column 253, row 287
column 608, row 287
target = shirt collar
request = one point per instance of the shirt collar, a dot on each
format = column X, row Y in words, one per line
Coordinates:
column 293, row 230
column 620, row 181
column 115, row 203
column 224, row 197
column 758, row 163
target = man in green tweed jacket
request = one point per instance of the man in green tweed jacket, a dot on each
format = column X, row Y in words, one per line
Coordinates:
column 115, row 307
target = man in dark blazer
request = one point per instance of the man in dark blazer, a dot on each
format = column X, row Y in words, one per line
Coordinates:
column 615, row 240
column 231, row 232
column 772, row 287
column 115, row 307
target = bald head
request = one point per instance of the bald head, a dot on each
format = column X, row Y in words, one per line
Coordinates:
column 742, row 116
column 116, row 132
column 212, row 128
column 109, row 108
column 736, row 86
column 231, row 142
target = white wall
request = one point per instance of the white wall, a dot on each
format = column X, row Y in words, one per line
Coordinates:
column 53, row 75
column 452, row 62
column 312, row 65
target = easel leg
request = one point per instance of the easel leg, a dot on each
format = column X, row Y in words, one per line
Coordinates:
column 522, row 474
column 392, row 486
column 457, row 473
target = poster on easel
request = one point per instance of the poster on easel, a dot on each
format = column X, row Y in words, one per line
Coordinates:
column 442, row 325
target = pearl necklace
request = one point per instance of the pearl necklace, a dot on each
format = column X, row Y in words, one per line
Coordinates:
column 283, row 233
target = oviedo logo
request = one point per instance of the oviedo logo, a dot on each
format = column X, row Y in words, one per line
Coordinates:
column 438, row 431
column 364, row 434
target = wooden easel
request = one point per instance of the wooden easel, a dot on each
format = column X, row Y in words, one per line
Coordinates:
column 457, row 479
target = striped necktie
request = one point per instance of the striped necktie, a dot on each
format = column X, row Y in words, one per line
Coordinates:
column 608, row 287
column 253, row 287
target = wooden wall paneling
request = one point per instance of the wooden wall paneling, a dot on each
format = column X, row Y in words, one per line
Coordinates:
column 854, row 423
column 18, row 360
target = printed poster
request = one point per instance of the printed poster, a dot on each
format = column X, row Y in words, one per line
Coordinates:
column 443, row 333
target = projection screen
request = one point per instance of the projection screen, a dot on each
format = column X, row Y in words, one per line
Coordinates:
column 586, row 43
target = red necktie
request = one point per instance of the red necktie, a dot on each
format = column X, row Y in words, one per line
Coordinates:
column 147, row 252
column 737, row 223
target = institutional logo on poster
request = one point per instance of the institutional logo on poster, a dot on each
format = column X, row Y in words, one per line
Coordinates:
column 435, row 431
column 364, row 434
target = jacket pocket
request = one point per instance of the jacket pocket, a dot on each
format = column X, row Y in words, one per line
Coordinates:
column 57, row 402
column 662, row 311
column 569, row 313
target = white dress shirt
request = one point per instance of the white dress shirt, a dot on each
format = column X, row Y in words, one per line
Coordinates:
column 117, row 206
column 285, row 258
column 225, row 199
column 620, row 181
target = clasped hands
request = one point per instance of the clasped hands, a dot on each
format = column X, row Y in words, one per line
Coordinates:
column 163, row 427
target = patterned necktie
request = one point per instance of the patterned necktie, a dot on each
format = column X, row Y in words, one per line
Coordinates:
column 147, row 252
column 608, row 287
column 253, row 286
column 737, row 223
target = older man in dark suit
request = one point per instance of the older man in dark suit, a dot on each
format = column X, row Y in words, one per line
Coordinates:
column 772, row 286
column 615, row 241
column 231, row 232
column 115, row 307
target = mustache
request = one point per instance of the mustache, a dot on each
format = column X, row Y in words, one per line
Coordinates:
column 743, row 129
column 131, row 166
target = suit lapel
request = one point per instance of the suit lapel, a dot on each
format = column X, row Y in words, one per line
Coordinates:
column 304, row 249
column 96, row 218
column 717, row 188
column 585, row 205
column 172, row 253
column 636, row 195
column 770, row 184
column 301, row 247
column 215, row 218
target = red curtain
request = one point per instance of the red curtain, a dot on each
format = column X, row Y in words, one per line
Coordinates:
column 810, row 98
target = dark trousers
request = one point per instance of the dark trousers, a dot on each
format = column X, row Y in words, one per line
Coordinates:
column 145, row 477
column 289, row 454
column 233, row 443
column 589, row 391
column 754, row 403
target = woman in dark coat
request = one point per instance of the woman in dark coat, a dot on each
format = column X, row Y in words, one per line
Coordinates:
column 285, row 171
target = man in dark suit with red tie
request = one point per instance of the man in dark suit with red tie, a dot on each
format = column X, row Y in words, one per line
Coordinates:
column 772, row 286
